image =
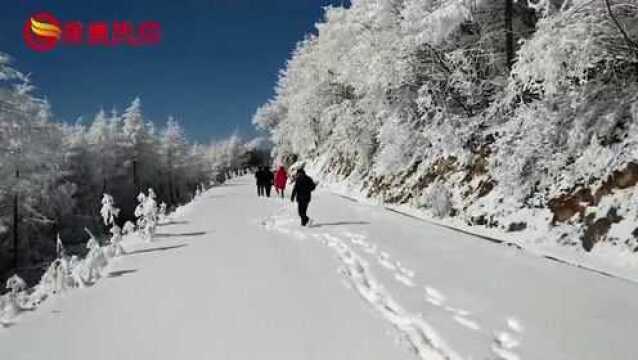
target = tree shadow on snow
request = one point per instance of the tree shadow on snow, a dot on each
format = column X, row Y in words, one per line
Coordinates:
column 229, row 184
column 214, row 196
column 118, row 273
column 180, row 222
column 6, row 324
column 163, row 248
column 165, row 235
column 341, row 223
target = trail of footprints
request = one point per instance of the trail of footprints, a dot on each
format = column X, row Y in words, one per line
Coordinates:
column 420, row 336
column 401, row 273
column 504, row 341
column 423, row 340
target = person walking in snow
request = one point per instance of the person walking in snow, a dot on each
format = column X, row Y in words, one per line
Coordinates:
column 304, row 185
column 260, row 177
column 269, row 179
column 281, row 177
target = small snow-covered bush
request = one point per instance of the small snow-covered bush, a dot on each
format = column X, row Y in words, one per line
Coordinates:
column 439, row 199
column 128, row 228
column 90, row 269
column 162, row 211
column 58, row 278
column 16, row 284
column 109, row 212
column 147, row 214
column 15, row 301
column 115, row 247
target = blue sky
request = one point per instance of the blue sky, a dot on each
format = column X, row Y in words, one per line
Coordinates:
column 218, row 59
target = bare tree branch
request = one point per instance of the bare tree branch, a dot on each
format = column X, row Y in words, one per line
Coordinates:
column 629, row 41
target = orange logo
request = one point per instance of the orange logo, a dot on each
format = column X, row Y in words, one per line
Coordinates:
column 45, row 29
column 42, row 31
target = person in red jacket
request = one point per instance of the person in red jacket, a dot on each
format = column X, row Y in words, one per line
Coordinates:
column 281, row 178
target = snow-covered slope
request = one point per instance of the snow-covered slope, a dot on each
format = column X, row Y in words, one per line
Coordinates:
column 235, row 277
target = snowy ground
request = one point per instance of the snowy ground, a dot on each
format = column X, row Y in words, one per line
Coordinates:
column 235, row 277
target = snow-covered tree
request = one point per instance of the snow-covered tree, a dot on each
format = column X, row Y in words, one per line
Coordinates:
column 409, row 97
column 136, row 137
column 90, row 269
column 147, row 214
column 175, row 149
column 108, row 211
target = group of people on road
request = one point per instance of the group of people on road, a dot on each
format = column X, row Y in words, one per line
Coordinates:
column 301, row 191
column 266, row 179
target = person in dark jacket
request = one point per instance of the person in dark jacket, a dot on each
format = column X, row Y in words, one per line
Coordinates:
column 259, row 176
column 269, row 179
column 304, row 185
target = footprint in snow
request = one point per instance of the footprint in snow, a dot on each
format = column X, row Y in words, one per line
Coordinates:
column 384, row 260
column 514, row 325
column 504, row 354
column 459, row 312
column 404, row 280
column 405, row 271
column 505, row 342
column 433, row 296
column 470, row 324
column 357, row 239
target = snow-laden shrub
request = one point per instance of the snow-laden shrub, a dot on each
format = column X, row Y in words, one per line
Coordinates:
column 146, row 213
column 115, row 246
column 438, row 199
column 575, row 45
column 89, row 270
column 531, row 144
column 15, row 301
column 162, row 212
column 398, row 150
column 109, row 212
column 16, row 284
column 129, row 228
column 58, row 278
column 59, row 247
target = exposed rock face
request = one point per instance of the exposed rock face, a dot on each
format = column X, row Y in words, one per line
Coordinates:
column 517, row 226
column 597, row 230
column 619, row 179
column 485, row 187
column 566, row 206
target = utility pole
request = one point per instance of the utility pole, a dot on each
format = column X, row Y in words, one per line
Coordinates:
column 509, row 36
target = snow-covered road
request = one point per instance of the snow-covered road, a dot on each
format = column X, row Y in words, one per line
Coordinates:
column 236, row 277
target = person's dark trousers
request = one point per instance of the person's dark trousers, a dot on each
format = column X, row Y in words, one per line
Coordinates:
column 260, row 190
column 302, row 208
column 268, row 190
